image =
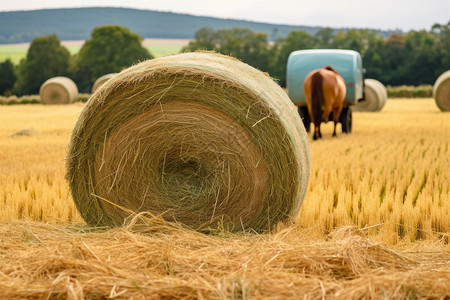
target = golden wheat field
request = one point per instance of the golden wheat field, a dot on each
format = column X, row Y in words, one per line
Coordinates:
column 374, row 224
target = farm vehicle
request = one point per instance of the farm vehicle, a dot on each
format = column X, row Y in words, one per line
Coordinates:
column 348, row 63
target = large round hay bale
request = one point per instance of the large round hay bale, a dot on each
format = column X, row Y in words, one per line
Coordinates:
column 197, row 138
column 375, row 96
column 58, row 90
column 101, row 80
column 441, row 91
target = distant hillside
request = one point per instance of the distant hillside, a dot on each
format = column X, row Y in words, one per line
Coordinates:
column 78, row 23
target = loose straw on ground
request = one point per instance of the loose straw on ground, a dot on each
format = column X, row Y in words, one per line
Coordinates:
column 198, row 138
column 157, row 260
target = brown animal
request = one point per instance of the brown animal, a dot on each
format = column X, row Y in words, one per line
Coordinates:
column 325, row 91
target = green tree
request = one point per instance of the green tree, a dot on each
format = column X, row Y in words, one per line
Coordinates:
column 325, row 38
column 110, row 49
column 204, row 39
column 441, row 48
column 46, row 58
column 250, row 47
column 7, row 77
column 373, row 59
column 243, row 43
column 296, row 40
column 394, row 56
column 421, row 58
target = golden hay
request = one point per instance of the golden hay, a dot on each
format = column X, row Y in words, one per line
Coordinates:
column 162, row 261
column 375, row 97
column 58, row 90
column 200, row 138
column 441, row 91
column 101, row 80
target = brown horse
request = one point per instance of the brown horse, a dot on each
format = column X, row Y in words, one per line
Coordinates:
column 324, row 92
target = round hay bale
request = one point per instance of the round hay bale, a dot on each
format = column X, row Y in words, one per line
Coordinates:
column 441, row 91
column 375, row 96
column 101, row 80
column 197, row 138
column 382, row 91
column 58, row 90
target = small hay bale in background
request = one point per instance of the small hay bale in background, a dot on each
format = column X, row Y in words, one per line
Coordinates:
column 382, row 89
column 441, row 91
column 199, row 138
column 58, row 90
column 24, row 132
column 375, row 96
column 101, row 80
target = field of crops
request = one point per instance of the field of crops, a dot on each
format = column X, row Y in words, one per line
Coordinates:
column 374, row 222
column 157, row 47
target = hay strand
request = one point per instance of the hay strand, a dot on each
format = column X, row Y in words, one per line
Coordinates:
column 198, row 138
column 42, row 261
column 441, row 91
column 58, row 90
column 102, row 80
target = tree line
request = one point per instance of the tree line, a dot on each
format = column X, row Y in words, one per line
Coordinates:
column 413, row 58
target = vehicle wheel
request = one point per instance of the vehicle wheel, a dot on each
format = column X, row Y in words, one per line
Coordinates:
column 304, row 115
column 346, row 119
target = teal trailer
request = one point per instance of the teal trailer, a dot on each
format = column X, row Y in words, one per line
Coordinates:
column 348, row 63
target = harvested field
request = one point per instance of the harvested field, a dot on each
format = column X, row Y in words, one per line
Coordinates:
column 374, row 223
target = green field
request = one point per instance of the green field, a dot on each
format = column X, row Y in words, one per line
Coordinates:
column 17, row 52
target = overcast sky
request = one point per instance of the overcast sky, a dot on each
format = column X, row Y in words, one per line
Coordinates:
column 375, row 14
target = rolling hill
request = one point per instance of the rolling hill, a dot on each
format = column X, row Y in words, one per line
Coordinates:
column 78, row 23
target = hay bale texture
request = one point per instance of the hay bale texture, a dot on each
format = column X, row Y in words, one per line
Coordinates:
column 58, row 90
column 101, row 80
column 441, row 91
column 198, row 138
column 375, row 96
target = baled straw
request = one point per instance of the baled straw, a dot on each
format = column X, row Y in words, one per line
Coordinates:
column 101, row 80
column 199, row 138
column 58, row 90
column 383, row 92
column 375, row 96
column 441, row 91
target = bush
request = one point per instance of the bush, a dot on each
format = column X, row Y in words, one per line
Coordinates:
column 12, row 100
column 29, row 101
column 83, row 98
column 406, row 91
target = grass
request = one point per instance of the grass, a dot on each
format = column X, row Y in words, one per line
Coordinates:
column 17, row 52
column 374, row 223
column 163, row 50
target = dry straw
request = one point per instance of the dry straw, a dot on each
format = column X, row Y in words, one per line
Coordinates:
column 101, row 80
column 159, row 261
column 375, row 96
column 441, row 91
column 58, row 90
column 199, row 138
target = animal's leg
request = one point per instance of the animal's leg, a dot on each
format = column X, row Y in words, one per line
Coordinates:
column 336, row 113
column 326, row 113
column 316, row 132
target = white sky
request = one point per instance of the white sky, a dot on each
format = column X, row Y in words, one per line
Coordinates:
column 375, row 14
